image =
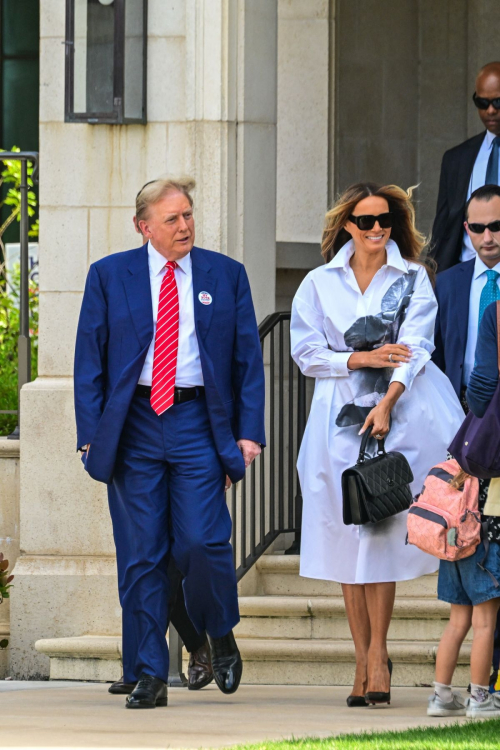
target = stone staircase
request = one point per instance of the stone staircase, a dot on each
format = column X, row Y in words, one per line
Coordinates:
column 293, row 630
column 296, row 632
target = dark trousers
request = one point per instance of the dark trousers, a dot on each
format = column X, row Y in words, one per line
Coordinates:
column 178, row 612
column 167, row 499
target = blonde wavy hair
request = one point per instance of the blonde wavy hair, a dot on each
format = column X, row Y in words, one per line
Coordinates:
column 412, row 243
column 154, row 191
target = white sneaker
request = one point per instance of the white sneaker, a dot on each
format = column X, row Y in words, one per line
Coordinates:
column 488, row 708
column 437, row 707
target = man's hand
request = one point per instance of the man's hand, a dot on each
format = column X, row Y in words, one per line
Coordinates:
column 250, row 450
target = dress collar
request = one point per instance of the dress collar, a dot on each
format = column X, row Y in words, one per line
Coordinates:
column 344, row 255
column 157, row 261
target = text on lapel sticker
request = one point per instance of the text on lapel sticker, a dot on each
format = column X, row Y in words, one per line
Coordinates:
column 205, row 298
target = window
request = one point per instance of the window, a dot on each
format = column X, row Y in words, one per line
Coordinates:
column 106, row 42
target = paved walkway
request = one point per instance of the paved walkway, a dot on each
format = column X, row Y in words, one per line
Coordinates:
column 84, row 715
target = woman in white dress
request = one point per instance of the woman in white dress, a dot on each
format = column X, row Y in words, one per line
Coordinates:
column 363, row 326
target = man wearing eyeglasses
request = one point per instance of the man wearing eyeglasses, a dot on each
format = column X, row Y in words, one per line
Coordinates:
column 464, row 169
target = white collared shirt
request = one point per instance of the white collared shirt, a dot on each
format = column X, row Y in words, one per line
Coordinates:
column 477, row 180
column 189, row 371
column 329, row 302
column 479, row 280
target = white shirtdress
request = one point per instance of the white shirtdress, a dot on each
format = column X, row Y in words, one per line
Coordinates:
column 330, row 320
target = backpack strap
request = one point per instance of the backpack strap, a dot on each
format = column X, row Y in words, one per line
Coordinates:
column 486, row 542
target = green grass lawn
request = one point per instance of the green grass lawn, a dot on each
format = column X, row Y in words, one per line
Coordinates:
column 474, row 735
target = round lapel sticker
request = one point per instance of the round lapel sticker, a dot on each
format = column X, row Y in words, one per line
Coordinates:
column 205, row 298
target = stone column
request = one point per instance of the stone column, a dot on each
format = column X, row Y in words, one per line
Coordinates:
column 211, row 110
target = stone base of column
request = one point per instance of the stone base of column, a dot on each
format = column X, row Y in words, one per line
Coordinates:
column 60, row 597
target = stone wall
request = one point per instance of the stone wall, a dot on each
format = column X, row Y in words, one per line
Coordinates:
column 211, row 114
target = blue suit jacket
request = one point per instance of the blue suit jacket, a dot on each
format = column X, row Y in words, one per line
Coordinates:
column 452, row 320
column 114, row 333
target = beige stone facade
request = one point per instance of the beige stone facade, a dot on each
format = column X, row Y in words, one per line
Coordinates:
column 252, row 98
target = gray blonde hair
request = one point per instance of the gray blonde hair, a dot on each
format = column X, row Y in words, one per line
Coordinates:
column 154, row 191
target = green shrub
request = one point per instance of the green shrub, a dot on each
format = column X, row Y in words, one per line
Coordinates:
column 9, row 298
column 9, row 332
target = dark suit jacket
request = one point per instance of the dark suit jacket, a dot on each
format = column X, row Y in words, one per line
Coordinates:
column 114, row 333
column 447, row 232
column 452, row 320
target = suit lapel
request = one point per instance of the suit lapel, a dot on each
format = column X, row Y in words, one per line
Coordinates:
column 465, row 162
column 204, row 291
column 462, row 296
column 138, row 290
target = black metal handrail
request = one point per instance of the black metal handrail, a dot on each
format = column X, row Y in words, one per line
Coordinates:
column 268, row 501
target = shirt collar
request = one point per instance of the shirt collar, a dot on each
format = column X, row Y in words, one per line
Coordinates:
column 480, row 267
column 344, row 255
column 490, row 137
column 157, row 261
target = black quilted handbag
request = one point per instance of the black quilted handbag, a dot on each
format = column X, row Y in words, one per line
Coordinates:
column 376, row 488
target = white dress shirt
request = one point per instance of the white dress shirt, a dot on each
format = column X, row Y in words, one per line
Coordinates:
column 477, row 180
column 189, row 371
column 479, row 280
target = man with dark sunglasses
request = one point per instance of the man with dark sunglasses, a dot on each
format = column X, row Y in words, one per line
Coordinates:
column 464, row 169
column 463, row 293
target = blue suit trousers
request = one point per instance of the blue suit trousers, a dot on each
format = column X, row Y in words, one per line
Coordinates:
column 167, row 498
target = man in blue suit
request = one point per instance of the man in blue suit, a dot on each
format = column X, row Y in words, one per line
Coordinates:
column 169, row 400
column 464, row 290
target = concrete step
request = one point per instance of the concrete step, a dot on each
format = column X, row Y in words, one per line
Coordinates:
column 280, row 577
column 331, row 662
column 266, row 661
column 283, row 617
column 88, row 657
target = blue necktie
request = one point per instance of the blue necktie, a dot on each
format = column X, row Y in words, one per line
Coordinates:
column 490, row 293
column 492, row 168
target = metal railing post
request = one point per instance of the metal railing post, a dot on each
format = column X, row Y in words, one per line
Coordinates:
column 176, row 677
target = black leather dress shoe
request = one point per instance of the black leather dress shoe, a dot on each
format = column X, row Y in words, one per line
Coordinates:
column 148, row 693
column 121, row 688
column 200, row 673
column 226, row 662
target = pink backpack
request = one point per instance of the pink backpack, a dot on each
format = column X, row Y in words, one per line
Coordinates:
column 444, row 521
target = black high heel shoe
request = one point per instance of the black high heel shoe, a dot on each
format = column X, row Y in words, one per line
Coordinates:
column 356, row 701
column 377, row 696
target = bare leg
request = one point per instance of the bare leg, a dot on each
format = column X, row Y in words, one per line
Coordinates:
column 484, row 617
column 359, row 625
column 380, row 603
column 451, row 640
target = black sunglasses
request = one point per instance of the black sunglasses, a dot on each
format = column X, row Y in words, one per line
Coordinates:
column 493, row 226
column 482, row 103
column 367, row 221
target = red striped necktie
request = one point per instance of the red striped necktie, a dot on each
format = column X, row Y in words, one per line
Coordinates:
column 166, row 343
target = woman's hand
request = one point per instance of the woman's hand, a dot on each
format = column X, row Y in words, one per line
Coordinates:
column 399, row 354
column 379, row 417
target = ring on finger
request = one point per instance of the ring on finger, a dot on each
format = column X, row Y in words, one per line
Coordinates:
column 390, row 358
column 378, row 437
